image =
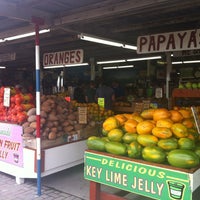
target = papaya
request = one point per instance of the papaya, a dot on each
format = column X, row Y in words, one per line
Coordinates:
column 167, row 123
column 179, row 130
column 197, row 151
column 147, row 140
column 116, row 148
column 161, row 113
column 104, row 132
column 193, row 134
column 148, row 113
column 145, row 127
column 134, row 150
column 106, row 139
column 189, row 123
column 130, row 126
column 168, row 144
column 115, row 135
column 176, row 116
column 96, row 143
column 121, row 118
column 186, row 113
column 162, row 132
column 137, row 118
column 183, row 158
column 186, row 143
column 154, row 154
column 129, row 137
column 110, row 123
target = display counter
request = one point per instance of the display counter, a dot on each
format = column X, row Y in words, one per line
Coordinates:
column 54, row 159
column 156, row 181
column 20, row 161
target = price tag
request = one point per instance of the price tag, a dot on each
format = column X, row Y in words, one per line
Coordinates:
column 158, row 93
column 101, row 102
column 196, row 118
column 6, row 97
column 82, row 115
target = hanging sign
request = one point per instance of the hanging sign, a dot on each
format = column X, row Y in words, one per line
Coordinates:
column 7, row 57
column 172, row 41
column 148, row 180
column 63, row 58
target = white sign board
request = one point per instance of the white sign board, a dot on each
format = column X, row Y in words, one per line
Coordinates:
column 172, row 41
column 63, row 58
column 7, row 57
column 6, row 97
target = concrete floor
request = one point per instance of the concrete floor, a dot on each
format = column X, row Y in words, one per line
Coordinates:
column 72, row 182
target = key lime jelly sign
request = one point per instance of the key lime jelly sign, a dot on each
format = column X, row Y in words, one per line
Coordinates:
column 11, row 146
column 143, row 179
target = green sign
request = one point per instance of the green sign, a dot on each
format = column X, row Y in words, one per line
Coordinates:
column 143, row 179
column 101, row 102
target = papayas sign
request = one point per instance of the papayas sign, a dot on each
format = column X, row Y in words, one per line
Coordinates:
column 172, row 41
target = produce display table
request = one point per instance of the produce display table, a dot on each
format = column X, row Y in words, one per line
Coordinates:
column 21, row 161
column 156, row 181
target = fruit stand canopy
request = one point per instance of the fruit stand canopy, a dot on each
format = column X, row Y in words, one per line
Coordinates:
column 118, row 20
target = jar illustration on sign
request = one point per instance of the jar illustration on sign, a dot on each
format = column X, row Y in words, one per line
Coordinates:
column 16, row 157
column 176, row 190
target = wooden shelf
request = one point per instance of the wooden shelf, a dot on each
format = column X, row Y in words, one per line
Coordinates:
column 186, row 93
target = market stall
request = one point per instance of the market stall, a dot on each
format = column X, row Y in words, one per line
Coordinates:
column 154, row 153
column 20, row 161
column 135, row 176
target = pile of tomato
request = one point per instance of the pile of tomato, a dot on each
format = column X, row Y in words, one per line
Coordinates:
column 20, row 103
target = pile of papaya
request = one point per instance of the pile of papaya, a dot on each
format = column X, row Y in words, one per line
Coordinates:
column 155, row 135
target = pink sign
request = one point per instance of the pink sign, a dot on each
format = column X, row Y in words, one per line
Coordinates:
column 11, row 146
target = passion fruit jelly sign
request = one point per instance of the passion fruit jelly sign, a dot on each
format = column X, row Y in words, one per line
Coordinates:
column 140, row 178
column 11, row 146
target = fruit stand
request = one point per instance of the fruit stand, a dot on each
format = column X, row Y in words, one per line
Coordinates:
column 64, row 129
column 156, row 181
column 155, row 153
column 19, row 160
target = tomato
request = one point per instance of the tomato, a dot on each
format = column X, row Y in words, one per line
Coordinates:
column 18, row 99
column 21, row 117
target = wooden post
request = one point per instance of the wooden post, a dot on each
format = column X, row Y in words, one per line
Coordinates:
column 95, row 190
